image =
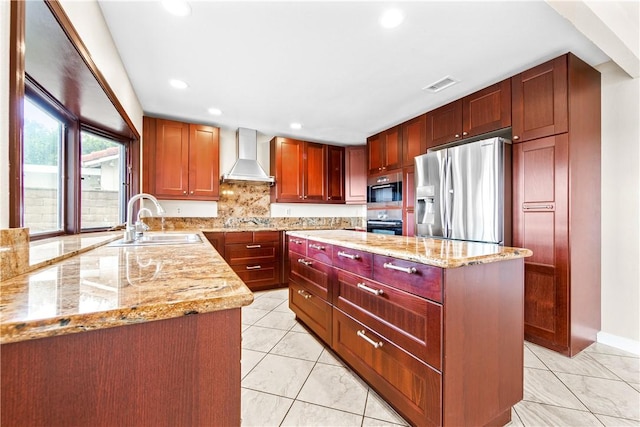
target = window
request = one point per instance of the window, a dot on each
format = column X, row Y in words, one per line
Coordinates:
column 103, row 181
column 42, row 170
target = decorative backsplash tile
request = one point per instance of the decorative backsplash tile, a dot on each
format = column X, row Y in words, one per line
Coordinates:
column 244, row 200
column 14, row 252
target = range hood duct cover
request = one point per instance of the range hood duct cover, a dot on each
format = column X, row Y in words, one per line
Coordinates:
column 247, row 167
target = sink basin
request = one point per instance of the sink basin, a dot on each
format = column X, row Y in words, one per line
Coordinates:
column 160, row 239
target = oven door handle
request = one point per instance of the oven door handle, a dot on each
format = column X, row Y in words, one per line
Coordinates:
column 374, row 223
column 377, row 187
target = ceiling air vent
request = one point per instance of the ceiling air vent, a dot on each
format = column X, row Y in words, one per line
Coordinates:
column 443, row 83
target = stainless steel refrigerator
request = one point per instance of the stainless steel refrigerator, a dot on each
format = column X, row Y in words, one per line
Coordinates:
column 464, row 192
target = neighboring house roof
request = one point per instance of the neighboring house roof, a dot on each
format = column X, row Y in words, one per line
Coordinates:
column 100, row 156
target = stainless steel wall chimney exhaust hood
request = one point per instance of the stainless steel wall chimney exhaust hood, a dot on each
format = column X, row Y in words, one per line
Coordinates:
column 247, row 168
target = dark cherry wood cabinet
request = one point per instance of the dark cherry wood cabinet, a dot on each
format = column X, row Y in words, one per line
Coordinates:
column 484, row 111
column 255, row 256
column 355, row 174
column 216, row 238
column 556, row 205
column 442, row 346
column 181, row 160
column 173, row 372
column 307, row 172
column 414, row 139
column 335, row 174
column 540, row 102
column 385, row 151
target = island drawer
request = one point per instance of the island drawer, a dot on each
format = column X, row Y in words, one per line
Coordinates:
column 244, row 253
column 314, row 275
column 298, row 245
column 419, row 279
column 412, row 387
column 311, row 310
column 411, row 322
column 258, row 275
column 319, row 251
column 353, row 260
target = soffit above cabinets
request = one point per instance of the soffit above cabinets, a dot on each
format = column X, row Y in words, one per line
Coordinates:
column 53, row 62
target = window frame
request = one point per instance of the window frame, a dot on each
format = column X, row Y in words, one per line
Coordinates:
column 19, row 85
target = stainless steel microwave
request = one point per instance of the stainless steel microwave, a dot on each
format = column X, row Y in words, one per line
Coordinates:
column 384, row 191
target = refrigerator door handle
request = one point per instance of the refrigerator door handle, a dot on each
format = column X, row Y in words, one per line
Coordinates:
column 448, row 196
column 444, row 216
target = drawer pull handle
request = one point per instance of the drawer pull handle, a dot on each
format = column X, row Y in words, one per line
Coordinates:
column 253, row 267
column 297, row 242
column 318, row 247
column 346, row 255
column 369, row 340
column 305, row 295
column 548, row 207
column 302, row 261
column 408, row 270
column 253, row 246
column 370, row 290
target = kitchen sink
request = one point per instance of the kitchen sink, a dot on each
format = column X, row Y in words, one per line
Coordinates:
column 160, row 239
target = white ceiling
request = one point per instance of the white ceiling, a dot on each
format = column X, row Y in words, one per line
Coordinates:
column 328, row 65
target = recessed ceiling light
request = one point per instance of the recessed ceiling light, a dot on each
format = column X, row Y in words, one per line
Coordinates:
column 177, row 7
column 178, row 84
column 215, row 111
column 391, row 18
column 295, row 126
column 441, row 84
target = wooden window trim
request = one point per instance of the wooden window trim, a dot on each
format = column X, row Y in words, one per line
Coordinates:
column 16, row 117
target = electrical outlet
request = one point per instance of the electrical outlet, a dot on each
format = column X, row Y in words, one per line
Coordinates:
column 178, row 210
column 288, row 211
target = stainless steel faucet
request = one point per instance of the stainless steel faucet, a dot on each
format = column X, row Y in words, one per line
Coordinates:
column 134, row 231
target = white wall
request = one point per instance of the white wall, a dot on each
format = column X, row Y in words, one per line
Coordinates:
column 5, row 29
column 620, row 208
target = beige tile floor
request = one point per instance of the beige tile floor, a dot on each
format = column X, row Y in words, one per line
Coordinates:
column 290, row 379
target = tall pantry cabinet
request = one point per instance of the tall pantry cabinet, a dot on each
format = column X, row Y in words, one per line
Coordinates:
column 556, row 200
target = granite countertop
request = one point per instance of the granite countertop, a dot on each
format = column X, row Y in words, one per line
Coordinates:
column 88, row 286
column 435, row 252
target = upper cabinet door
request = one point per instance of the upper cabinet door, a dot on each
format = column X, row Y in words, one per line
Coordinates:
column 335, row 174
column 172, row 159
column 392, row 149
column 288, row 168
column 539, row 101
column 375, row 148
column 315, row 175
column 204, row 182
column 487, row 110
column 444, row 124
column 414, row 139
column 356, row 174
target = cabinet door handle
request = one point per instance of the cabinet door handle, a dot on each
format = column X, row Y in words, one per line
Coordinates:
column 515, row 137
column 362, row 335
column 253, row 246
column 305, row 295
column 408, row 270
column 253, row 267
column 184, row 192
column 547, row 207
column 457, row 135
column 465, row 133
column 307, row 263
column 192, row 192
column 318, row 247
column 370, row 290
column 346, row 255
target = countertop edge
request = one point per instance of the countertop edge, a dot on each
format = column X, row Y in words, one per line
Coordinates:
column 441, row 262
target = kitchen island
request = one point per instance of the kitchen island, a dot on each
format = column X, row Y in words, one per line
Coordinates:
column 123, row 336
column 434, row 326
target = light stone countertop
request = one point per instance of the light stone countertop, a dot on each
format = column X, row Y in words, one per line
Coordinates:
column 436, row 252
column 115, row 286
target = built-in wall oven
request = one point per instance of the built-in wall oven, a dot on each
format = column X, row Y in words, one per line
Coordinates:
column 384, row 191
column 384, row 221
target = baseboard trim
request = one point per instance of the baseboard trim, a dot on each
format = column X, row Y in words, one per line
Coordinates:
column 621, row 343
